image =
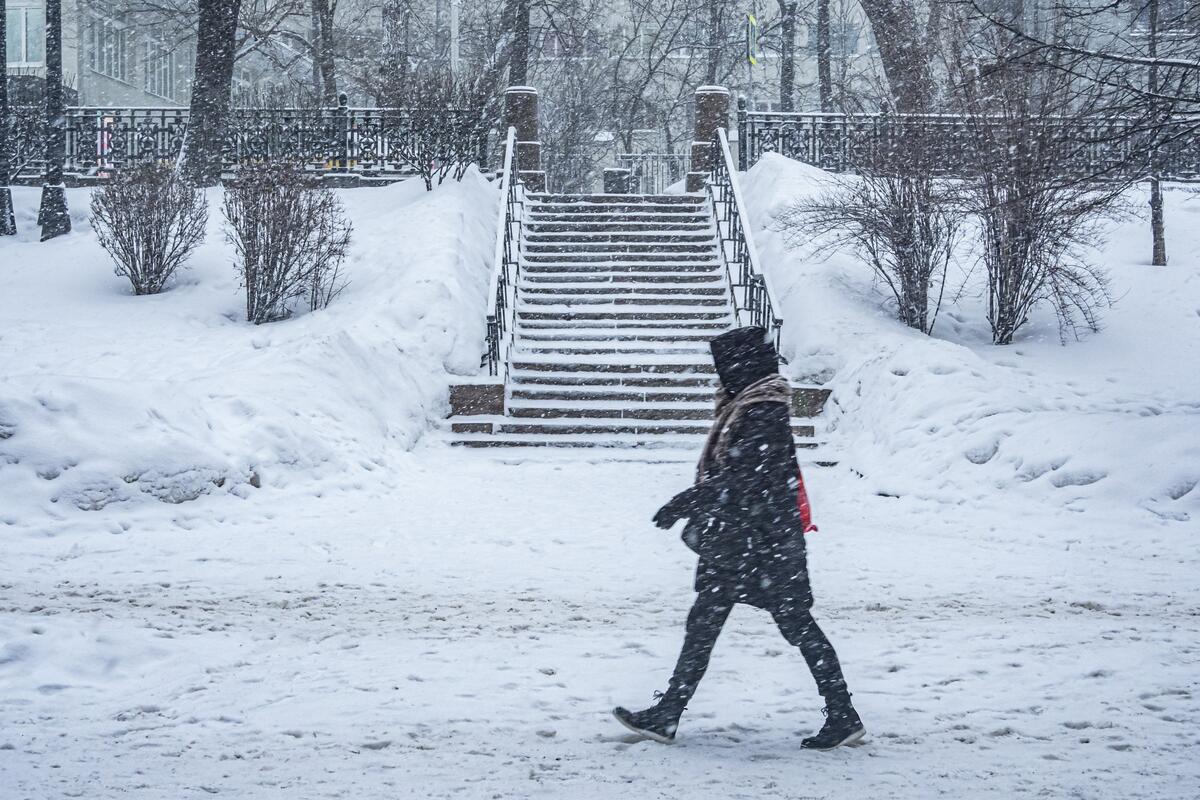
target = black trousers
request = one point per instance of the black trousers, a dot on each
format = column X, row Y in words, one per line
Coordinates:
column 797, row 625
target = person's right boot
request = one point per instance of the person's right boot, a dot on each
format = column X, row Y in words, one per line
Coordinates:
column 658, row 722
column 842, row 725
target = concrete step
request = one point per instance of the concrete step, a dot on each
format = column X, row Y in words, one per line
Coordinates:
column 560, row 427
column 616, row 324
column 687, row 444
column 599, row 198
column 592, row 301
column 613, row 268
column 535, row 217
column 682, row 250
column 533, row 409
column 701, row 394
column 643, row 367
column 607, row 348
column 619, row 290
column 616, row 203
column 699, row 223
column 580, row 316
column 620, row 235
column 600, row 278
column 526, row 335
column 611, row 380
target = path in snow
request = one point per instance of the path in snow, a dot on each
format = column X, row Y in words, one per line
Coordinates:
column 461, row 629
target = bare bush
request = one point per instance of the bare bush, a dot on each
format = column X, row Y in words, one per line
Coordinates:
column 290, row 235
column 149, row 220
column 905, row 227
column 1038, row 217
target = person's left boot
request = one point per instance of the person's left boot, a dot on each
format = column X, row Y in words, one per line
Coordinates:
column 842, row 725
column 658, row 722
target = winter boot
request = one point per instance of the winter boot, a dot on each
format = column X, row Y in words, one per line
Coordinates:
column 842, row 725
column 658, row 722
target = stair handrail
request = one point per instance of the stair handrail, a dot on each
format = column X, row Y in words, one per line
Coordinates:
column 757, row 304
column 506, row 263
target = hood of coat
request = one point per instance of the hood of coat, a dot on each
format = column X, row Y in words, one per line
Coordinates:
column 743, row 356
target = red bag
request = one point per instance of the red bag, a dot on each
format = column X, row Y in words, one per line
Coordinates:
column 802, row 503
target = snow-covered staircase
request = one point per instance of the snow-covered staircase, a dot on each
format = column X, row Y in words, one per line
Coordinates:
column 617, row 298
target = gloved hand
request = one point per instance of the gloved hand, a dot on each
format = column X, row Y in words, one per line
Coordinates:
column 674, row 510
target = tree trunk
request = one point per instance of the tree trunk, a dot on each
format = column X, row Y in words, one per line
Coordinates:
column 212, row 88
column 518, row 70
column 1157, row 229
column 8, row 223
column 787, row 56
column 323, row 11
column 905, row 62
column 713, row 56
column 315, row 46
column 53, row 216
column 824, row 56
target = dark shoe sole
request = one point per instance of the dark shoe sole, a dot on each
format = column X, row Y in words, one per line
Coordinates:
column 856, row 736
column 645, row 734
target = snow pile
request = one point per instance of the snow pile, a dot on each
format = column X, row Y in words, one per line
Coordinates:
column 1112, row 421
column 106, row 397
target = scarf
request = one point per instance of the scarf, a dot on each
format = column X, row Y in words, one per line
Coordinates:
column 771, row 389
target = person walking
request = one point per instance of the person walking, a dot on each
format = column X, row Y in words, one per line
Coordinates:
column 746, row 517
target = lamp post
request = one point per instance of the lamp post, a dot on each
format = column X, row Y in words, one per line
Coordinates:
column 8, row 222
column 53, row 215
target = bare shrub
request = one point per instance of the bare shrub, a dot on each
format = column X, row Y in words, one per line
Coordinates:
column 149, row 220
column 897, row 219
column 290, row 235
column 1039, row 212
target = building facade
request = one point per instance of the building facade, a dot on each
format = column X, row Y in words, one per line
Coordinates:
column 112, row 56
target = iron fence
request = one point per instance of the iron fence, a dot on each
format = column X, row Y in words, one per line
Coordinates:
column 652, row 173
column 1099, row 149
column 368, row 142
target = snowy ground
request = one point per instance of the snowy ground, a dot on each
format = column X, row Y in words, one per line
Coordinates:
column 380, row 622
column 461, row 628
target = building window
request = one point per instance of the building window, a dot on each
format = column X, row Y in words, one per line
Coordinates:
column 108, row 49
column 159, row 71
column 25, row 39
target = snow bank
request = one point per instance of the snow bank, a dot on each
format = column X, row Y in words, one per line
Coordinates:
column 106, row 397
column 1112, row 421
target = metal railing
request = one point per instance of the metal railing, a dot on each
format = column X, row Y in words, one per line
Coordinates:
column 370, row 142
column 754, row 301
column 506, row 265
column 654, row 172
column 1101, row 149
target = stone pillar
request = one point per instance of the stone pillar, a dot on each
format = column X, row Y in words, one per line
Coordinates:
column 712, row 112
column 521, row 112
column 618, row 180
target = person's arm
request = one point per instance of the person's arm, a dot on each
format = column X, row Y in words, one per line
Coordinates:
column 758, row 479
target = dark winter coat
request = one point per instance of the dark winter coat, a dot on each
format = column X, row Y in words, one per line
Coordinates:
column 743, row 518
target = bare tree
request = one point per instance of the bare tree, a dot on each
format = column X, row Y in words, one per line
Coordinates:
column 212, row 90
column 1145, row 57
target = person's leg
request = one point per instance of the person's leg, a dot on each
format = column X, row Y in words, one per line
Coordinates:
column 704, row 623
column 842, row 723
column 801, row 630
